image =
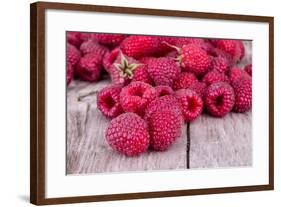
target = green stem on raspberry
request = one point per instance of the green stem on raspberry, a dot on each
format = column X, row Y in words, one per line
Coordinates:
column 126, row 69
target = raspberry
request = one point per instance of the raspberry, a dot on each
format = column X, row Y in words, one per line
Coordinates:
column 219, row 99
column 208, row 47
column 237, row 73
column 166, row 39
column 213, row 41
column 147, row 60
column 89, row 67
column 163, row 90
column 72, row 54
column 140, row 46
column 195, row 59
column 199, row 88
column 136, row 96
column 74, row 38
column 109, row 39
column 248, row 69
column 218, row 53
column 242, row 49
column 128, row 134
column 232, row 47
column 220, row 64
column 172, row 54
column 85, row 36
column 180, row 42
column 185, row 80
column 108, row 101
column 163, row 71
column 69, row 73
column 243, row 95
column 191, row 104
column 214, row 77
column 91, row 46
column 141, row 74
column 163, row 47
column 109, row 58
column 123, row 68
column 164, row 128
column 168, row 102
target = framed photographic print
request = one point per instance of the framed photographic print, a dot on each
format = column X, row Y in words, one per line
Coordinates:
column 130, row 103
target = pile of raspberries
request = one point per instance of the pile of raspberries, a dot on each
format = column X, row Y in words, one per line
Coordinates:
column 158, row 83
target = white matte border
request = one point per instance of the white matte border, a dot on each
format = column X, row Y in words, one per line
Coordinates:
column 60, row 185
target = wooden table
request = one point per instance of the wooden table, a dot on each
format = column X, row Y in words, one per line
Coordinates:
column 207, row 142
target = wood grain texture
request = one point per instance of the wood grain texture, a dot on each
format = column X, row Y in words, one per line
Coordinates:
column 221, row 142
column 87, row 150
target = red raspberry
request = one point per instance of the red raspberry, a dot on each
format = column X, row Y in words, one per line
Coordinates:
column 199, row 88
column 147, row 60
column 91, row 46
column 219, row 99
column 168, row 102
column 208, row 47
column 172, row 54
column 248, row 69
column 109, row 58
column 85, row 36
column 191, row 104
column 136, row 96
column 89, row 67
column 243, row 95
column 140, row 46
column 202, row 43
column 72, row 54
column 232, row 47
column 195, row 59
column 164, row 43
column 141, row 74
column 108, row 101
column 164, row 128
column 237, row 73
column 163, row 90
column 214, row 77
column 128, row 134
column 109, row 39
column 220, row 64
column 74, row 38
column 69, row 73
column 185, row 80
column 218, row 53
column 166, row 40
column 213, row 41
column 242, row 49
column 163, row 71
column 125, row 69
column 180, row 42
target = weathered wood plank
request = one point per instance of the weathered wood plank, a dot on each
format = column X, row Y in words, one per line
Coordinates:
column 87, row 150
column 221, row 142
column 77, row 119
